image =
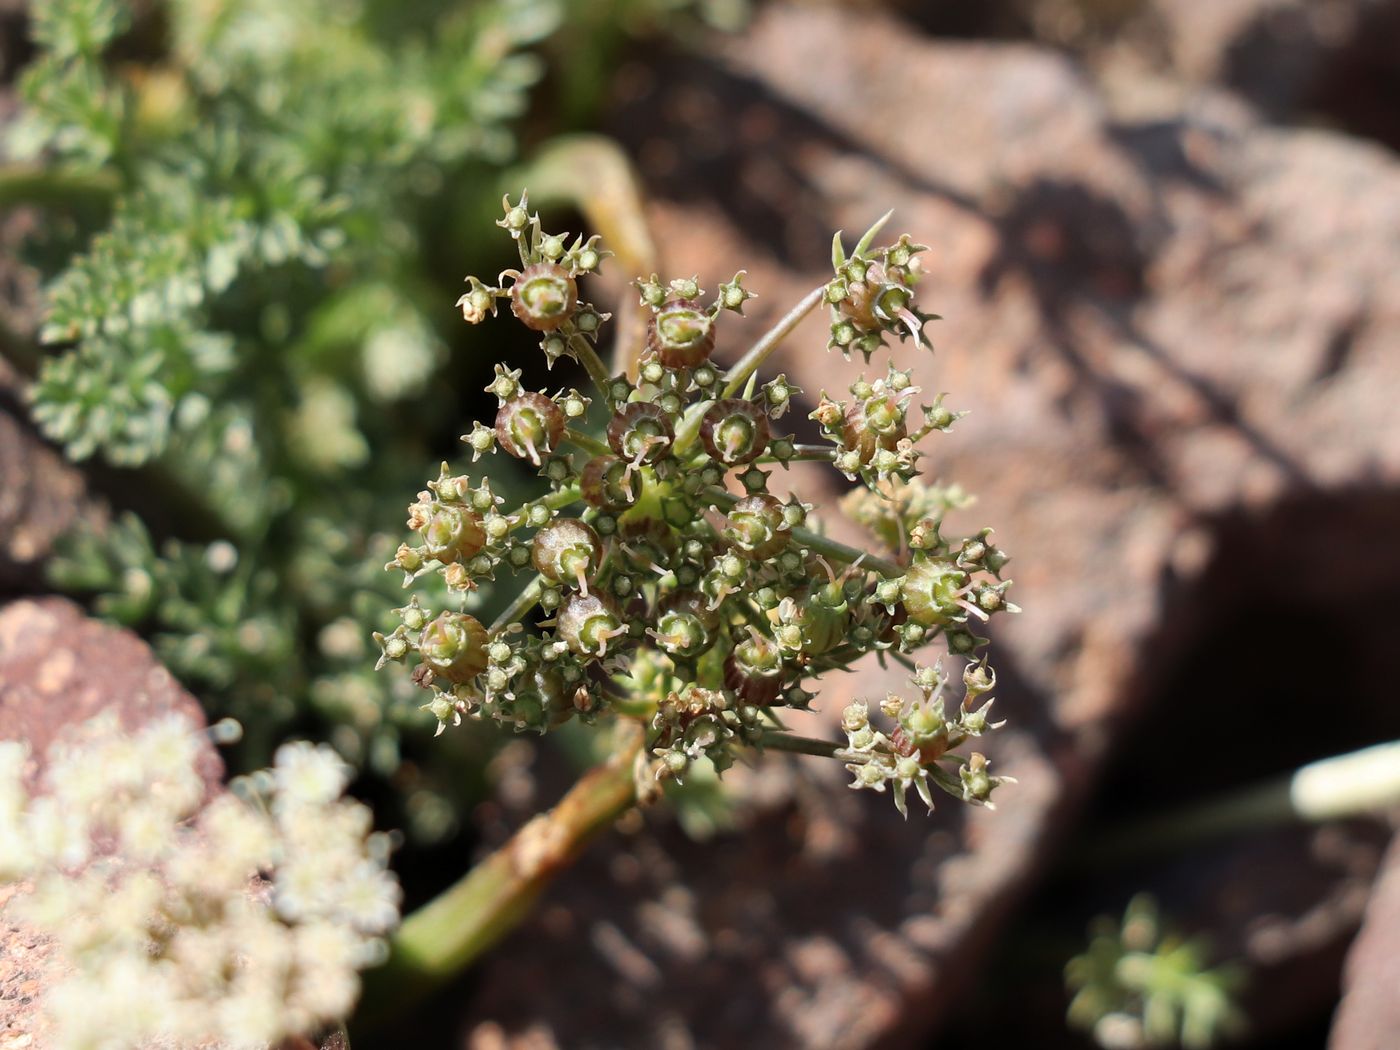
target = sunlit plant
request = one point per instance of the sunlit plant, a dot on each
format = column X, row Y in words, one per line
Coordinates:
column 659, row 576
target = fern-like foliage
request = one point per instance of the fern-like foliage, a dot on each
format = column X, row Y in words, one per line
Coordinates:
column 269, row 136
column 251, row 313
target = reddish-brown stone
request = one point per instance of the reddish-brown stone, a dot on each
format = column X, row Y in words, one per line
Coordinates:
column 1158, row 328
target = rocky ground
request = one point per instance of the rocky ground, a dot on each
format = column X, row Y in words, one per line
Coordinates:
column 1164, row 242
column 1181, row 390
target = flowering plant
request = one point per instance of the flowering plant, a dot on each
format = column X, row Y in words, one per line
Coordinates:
column 677, row 588
column 177, row 918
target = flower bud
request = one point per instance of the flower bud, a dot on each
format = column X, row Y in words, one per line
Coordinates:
column 681, row 334
column 567, row 551
column 734, row 431
column 452, row 533
column 544, row 296
column 641, row 433
column 978, row 678
column 529, row 425
column 453, row 646
column 477, row 302
column 756, row 526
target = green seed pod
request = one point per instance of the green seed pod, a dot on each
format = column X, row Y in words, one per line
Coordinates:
column 932, row 589
column 529, row 425
column 567, row 551
column 587, row 623
column 825, row 619
column 734, row 431
column 681, row 334
column 754, row 669
column 544, row 296
column 641, row 433
column 608, row 484
column 453, row 646
column 755, row 526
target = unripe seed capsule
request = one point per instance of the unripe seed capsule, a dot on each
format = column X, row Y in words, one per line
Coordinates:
column 680, row 632
column 756, row 527
column 734, row 431
column 608, row 484
column 529, row 425
column 454, row 646
column 567, row 552
column 872, row 424
column 452, row 533
column 544, row 296
column 641, row 433
column 931, row 590
column 681, row 334
column 586, row 624
column 753, row 670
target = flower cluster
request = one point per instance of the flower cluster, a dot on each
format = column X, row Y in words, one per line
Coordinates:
column 675, row 584
column 924, row 735
column 241, row 922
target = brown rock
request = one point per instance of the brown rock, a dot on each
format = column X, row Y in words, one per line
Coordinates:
column 1369, row 1017
column 42, row 496
column 1297, row 60
column 1157, row 328
column 59, row 668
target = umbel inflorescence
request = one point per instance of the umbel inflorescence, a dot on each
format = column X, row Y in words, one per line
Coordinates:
column 676, row 584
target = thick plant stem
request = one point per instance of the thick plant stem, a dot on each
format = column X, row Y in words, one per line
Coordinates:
column 450, row 932
column 583, row 351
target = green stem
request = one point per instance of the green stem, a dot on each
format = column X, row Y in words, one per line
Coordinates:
column 587, row 442
column 592, row 363
column 774, row 740
column 823, row 545
column 55, row 187
column 522, row 603
column 450, row 932
column 760, row 350
column 804, row 454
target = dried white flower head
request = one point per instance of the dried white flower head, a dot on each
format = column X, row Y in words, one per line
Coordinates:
column 239, row 923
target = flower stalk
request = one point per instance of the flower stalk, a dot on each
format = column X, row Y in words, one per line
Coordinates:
column 450, row 932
